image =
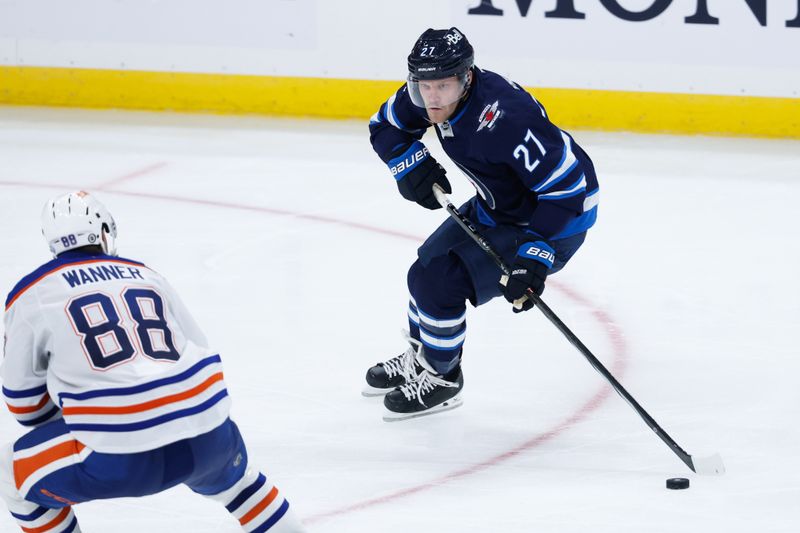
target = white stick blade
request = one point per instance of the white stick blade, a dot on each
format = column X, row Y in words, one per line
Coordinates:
column 709, row 466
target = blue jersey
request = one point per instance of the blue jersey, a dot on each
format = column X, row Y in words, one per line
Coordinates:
column 526, row 170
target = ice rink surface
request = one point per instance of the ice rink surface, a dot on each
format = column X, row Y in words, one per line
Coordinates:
column 290, row 243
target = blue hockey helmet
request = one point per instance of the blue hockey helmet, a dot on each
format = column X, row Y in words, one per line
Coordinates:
column 438, row 55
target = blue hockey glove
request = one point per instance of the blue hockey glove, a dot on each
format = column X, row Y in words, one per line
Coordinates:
column 416, row 171
column 531, row 265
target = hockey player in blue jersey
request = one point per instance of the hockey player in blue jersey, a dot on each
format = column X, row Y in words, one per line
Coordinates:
column 119, row 388
column 536, row 197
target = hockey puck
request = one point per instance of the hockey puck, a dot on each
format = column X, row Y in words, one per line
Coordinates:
column 677, row 483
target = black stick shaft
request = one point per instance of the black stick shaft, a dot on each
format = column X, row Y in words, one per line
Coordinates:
column 467, row 225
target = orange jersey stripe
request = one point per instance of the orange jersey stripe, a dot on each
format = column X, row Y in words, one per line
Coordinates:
column 63, row 515
column 62, row 267
column 23, row 468
column 31, row 409
column 255, row 511
column 146, row 406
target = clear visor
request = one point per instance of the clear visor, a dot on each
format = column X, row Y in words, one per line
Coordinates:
column 437, row 93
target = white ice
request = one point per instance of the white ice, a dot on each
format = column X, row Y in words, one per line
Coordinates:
column 289, row 242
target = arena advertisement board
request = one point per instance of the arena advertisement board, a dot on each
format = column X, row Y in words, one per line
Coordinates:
column 690, row 46
column 733, row 47
column 684, row 66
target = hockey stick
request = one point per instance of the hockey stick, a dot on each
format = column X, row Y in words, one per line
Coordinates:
column 700, row 465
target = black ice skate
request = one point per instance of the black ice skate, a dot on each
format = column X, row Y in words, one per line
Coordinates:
column 426, row 394
column 384, row 377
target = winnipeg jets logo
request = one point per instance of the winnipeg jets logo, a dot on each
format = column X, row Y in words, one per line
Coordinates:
column 489, row 116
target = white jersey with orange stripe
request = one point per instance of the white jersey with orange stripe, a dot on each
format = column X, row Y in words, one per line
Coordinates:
column 107, row 343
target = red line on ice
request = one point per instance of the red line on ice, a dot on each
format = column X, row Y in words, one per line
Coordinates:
column 127, row 177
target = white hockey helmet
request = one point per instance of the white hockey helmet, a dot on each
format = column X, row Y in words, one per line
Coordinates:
column 78, row 219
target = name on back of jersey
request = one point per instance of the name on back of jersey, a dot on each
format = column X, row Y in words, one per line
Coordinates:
column 76, row 277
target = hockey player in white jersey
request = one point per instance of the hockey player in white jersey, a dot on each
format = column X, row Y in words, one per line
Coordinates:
column 116, row 380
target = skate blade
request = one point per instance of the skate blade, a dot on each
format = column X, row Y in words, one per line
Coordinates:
column 371, row 392
column 449, row 405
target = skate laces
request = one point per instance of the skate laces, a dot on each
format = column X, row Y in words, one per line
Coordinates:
column 424, row 383
column 403, row 364
column 399, row 365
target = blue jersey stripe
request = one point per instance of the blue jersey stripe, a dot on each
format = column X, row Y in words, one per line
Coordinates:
column 460, row 114
column 27, row 393
column 562, row 196
column 391, row 115
column 125, row 391
column 145, row 424
column 579, row 187
column 44, row 418
column 483, row 216
column 578, row 224
column 549, row 186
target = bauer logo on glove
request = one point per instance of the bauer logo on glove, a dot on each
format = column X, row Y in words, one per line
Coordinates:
column 416, row 171
column 408, row 160
column 538, row 253
column 529, row 272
